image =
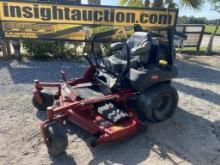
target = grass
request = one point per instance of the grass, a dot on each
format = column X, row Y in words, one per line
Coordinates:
column 210, row 29
column 192, row 50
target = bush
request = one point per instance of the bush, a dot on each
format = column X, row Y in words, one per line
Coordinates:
column 50, row 49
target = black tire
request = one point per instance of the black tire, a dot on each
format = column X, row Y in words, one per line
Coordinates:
column 158, row 103
column 174, row 55
column 92, row 141
column 48, row 100
column 57, row 141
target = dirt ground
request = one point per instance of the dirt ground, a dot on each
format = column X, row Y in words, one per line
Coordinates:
column 191, row 136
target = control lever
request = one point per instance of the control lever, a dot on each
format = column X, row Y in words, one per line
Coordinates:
column 85, row 55
column 63, row 75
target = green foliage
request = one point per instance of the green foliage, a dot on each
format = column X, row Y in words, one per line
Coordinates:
column 192, row 20
column 195, row 20
column 123, row 2
column 210, row 29
column 157, row 4
column 216, row 5
column 195, row 4
column 192, row 50
column 147, row 3
column 171, row 4
column 49, row 49
column 134, row 3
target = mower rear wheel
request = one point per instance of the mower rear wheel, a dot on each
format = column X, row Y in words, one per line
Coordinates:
column 56, row 138
column 48, row 100
column 158, row 103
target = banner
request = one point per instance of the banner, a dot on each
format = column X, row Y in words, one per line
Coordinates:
column 21, row 19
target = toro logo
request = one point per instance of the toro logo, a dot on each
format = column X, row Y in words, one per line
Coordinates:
column 155, row 77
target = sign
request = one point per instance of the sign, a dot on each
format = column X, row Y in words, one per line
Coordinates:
column 22, row 19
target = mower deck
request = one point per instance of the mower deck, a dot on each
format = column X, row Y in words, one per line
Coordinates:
column 95, row 110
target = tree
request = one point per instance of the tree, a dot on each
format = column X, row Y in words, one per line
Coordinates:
column 170, row 4
column 157, row 4
column 216, row 7
column 183, row 20
column 135, row 3
column 147, row 3
column 195, row 4
column 94, row 2
column 192, row 20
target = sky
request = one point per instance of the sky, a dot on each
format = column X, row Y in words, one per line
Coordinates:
column 205, row 11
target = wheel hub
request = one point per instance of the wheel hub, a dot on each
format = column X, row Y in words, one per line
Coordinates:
column 163, row 105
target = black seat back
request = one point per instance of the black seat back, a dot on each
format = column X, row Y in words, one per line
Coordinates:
column 140, row 46
column 138, row 39
column 117, row 62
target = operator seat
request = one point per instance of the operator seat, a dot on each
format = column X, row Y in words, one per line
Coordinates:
column 139, row 44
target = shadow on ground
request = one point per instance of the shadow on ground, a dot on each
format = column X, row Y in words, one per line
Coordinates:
column 198, row 72
column 204, row 94
column 63, row 159
column 174, row 140
column 185, row 136
column 27, row 71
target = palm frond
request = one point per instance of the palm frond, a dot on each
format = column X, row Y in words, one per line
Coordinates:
column 135, row 3
column 195, row 4
column 123, row 2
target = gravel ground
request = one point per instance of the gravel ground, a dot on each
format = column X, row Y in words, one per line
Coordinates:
column 191, row 136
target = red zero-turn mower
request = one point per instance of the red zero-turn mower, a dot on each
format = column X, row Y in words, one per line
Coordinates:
column 115, row 94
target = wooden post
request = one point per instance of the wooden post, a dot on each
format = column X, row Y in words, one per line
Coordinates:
column 6, row 48
column 200, row 39
column 4, row 51
column 209, row 48
column 17, row 47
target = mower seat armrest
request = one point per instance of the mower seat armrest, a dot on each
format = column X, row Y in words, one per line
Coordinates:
column 140, row 50
column 116, row 46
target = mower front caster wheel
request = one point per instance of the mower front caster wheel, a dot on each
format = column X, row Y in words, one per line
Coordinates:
column 56, row 138
column 48, row 100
